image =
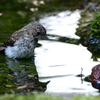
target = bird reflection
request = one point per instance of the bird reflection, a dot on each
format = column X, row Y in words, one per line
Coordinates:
column 25, row 76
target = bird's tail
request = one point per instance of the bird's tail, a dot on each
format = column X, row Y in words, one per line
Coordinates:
column 2, row 48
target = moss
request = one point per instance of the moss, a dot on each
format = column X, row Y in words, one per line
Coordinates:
column 95, row 26
column 44, row 97
column 79, row 97
column 29, row 97
column 89, row 32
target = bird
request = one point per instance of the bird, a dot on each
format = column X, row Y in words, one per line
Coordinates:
column 22, row 43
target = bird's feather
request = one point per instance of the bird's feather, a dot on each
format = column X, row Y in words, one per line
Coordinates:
column 15, row 37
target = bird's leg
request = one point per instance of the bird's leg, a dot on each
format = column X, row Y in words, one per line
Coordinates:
column 15, row 60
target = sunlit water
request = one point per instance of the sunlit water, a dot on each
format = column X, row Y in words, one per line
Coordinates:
column 61, row 62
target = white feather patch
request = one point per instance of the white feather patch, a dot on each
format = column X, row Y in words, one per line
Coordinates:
column 23, row 48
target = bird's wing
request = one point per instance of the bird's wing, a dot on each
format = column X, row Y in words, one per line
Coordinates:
column 15, row 37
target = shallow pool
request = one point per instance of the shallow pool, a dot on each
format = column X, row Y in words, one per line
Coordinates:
column 60, row 62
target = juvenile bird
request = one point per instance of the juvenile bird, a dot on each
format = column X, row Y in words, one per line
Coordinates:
column 22, row 43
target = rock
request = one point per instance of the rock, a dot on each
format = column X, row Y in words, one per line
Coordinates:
column 95, row 77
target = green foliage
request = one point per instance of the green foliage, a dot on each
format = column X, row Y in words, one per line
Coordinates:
column 79, row 97
column 44, row 97
column 28, row 97
column 95, row 26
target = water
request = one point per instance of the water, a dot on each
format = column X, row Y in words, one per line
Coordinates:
column 63, row 24
column 60, row 62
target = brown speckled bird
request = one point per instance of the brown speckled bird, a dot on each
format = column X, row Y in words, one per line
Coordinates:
column 22, row 43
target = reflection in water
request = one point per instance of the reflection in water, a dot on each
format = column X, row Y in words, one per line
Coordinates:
column 25, row 76
column 61, row 62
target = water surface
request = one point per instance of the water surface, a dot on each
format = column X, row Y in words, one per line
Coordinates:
column 60, row 62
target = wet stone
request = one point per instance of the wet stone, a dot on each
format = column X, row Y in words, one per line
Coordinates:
column 95, row 77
